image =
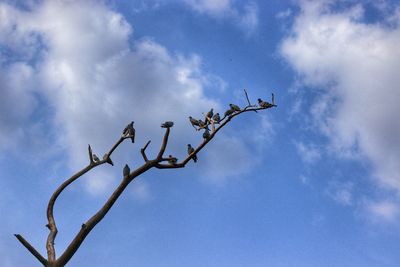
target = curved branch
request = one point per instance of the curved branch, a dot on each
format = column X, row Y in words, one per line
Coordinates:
column 163, row 145
column 51, row 254
column 95, row 219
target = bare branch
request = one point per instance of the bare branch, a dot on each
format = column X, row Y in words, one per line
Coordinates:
column 95, row 219
column 163, row 145
column 51, row 254
column 90, row 154
column 159, row 162
column 31, row 249
column 247, row 97
column 143, row 151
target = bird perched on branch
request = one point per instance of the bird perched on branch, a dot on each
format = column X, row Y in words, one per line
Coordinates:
column 129, row 131
column 126, row 171
column 95, row 158
column 172, row 160
column 228, row 112
column 202, row 124
column 193, row 121
column 167, row 124
column 206, row 134
column 216, row 118
column 264, row 104
column 234, row 107
column 209, row 115
column 190, row 151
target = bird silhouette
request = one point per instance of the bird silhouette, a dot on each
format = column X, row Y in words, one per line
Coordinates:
column 172, row 160
column 228, row 112
column 190, row 151
column 216, row 118
column 206, row 134
column 95, row 158
column 193, row 121
column 209, row 115
column 129, row 131
column 264, row 104
column 126, row 171
column 234, row 107
column 167, row 124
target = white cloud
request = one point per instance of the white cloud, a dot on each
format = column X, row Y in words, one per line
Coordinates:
column 387, row 210
column 245, row 17
column 356, row 65
column 341, row 192
column 96, row 80
column 308, row 153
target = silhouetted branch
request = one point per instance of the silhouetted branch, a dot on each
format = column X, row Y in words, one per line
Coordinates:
column 31, row 249
column 163, row 145
column 143, row 151
column 159, row 162
column 51, row 254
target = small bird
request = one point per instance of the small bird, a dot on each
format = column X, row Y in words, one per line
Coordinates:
column 126, row 171
column 129, row 131
column 190, row 151
column 202, row 124
column 167, row 124
column 216, row 118
column 206, row 134
column 234, row 107
column 264, row 104
column 209, row 115
column 193, row 121
column 172, row 160
column 95, row 158
column 228, row 112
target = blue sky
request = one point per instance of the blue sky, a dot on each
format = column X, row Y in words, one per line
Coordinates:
column 314, row 182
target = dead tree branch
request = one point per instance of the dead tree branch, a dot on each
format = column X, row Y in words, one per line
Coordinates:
column 158, row 162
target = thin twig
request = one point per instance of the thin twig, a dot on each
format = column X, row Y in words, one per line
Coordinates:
column 31, row 249
column 143, row 151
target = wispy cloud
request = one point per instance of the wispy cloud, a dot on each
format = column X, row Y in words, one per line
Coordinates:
column 244, row 16
column 95, row 79
column 353, row 66
column 308, row 153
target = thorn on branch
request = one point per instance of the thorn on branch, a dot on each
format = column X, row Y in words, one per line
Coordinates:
column 107, row 158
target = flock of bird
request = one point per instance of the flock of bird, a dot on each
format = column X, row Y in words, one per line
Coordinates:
column 198, row 124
